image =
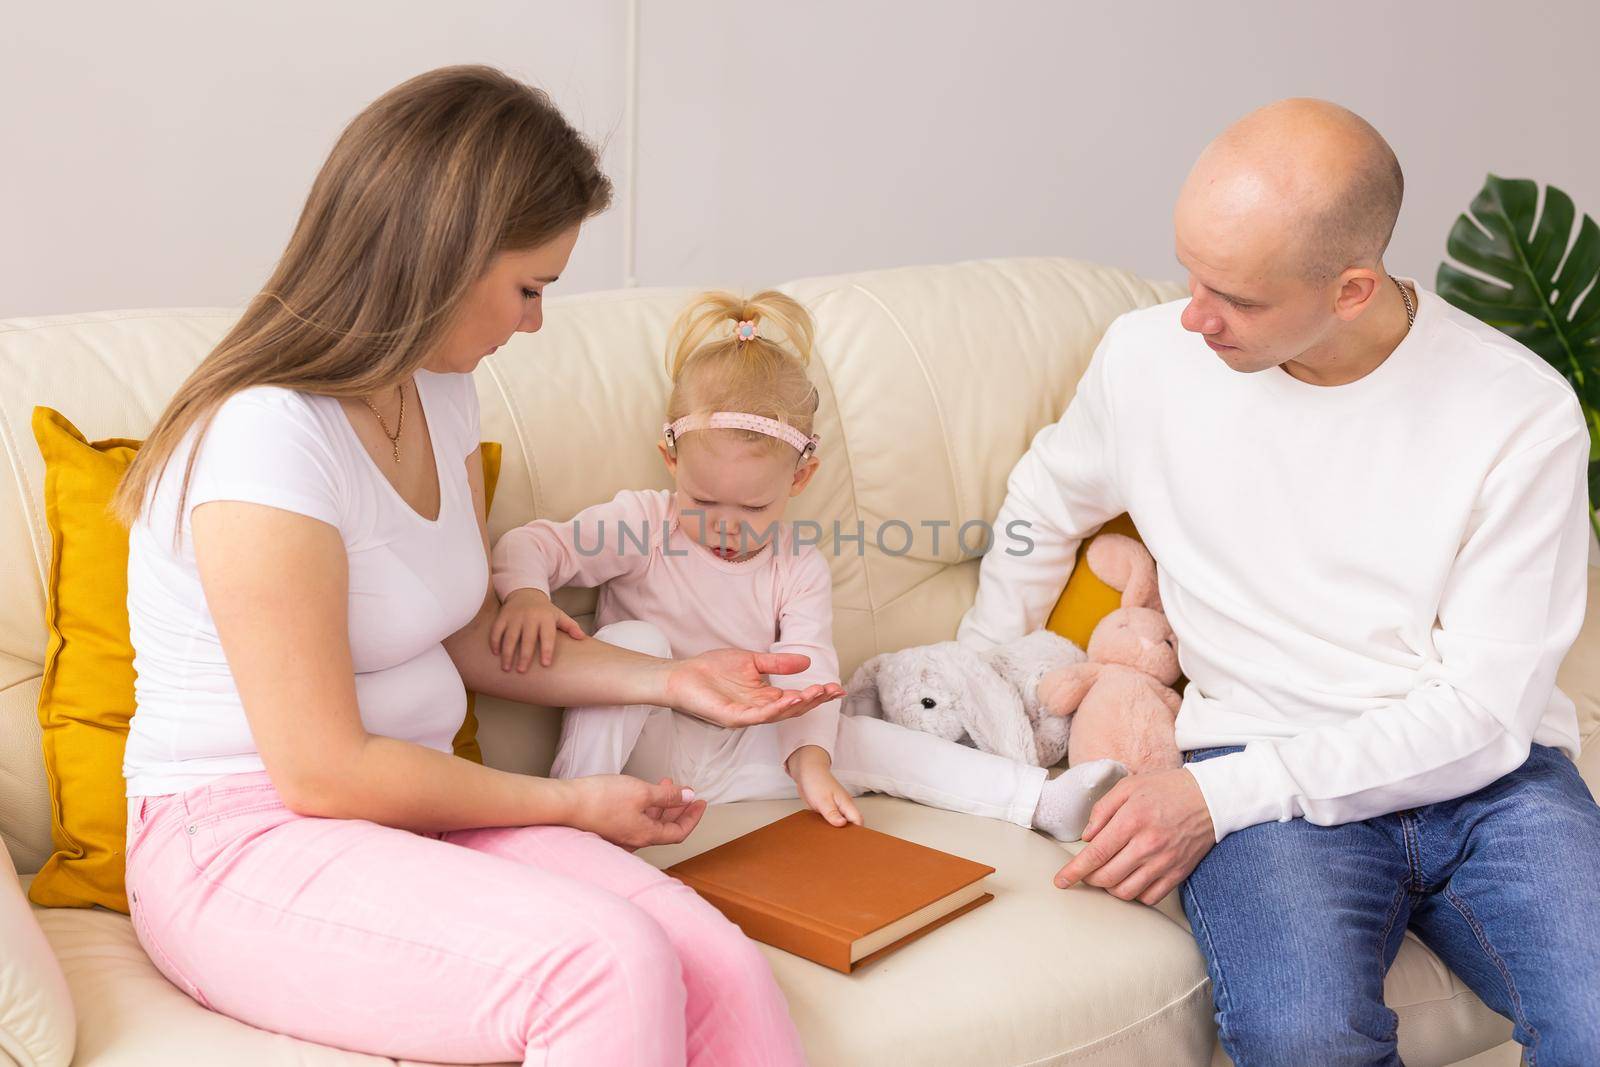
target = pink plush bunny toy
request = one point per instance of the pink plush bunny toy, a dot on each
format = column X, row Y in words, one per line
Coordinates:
column 1122, row 696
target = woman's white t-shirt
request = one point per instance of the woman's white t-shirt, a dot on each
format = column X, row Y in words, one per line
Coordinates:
column 412, row 582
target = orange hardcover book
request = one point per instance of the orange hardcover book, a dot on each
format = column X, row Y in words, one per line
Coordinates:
column 838, row 896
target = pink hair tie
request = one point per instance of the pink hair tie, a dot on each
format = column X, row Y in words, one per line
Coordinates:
column 738, row 420
column 745, row 331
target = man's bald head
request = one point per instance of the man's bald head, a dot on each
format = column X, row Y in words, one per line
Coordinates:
column 1314, row 180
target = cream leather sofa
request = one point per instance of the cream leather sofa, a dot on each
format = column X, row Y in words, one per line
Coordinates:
column 933, row 381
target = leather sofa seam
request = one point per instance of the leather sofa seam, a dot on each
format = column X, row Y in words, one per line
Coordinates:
column 517, row 425
column 1127, row 1032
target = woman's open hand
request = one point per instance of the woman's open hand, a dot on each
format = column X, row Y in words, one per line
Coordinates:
column 728, row 687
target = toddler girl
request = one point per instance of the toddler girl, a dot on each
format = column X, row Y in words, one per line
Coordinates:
column 711, row 564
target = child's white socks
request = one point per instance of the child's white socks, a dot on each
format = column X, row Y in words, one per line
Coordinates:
column 1065, row 800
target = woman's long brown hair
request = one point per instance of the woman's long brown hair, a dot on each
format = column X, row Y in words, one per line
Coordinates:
column 422, row 190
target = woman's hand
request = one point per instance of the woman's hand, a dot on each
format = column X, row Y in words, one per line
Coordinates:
column 528, row 620
column 812, row 770
column 728, row 687
column 631, row 812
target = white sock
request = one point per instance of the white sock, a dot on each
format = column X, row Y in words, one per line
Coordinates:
column 1065, row 800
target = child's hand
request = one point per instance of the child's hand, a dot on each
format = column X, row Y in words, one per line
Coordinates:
column 811, row 769
column 528, row 619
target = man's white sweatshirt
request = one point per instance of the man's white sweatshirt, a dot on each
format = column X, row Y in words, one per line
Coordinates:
column 1372, row 584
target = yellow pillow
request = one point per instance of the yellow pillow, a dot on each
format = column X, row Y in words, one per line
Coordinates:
column 86, row 697
column 465, row 744
column 1086, row 599
column 87, row 694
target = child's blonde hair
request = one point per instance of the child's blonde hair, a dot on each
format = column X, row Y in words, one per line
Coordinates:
column 712, row 369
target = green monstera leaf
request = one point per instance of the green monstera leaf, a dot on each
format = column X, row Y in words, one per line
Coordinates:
column 1535, row 281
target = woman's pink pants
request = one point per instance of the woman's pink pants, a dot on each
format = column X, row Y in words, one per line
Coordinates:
column 543, row 944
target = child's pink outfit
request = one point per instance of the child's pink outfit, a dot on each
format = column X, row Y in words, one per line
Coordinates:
column 663, row 593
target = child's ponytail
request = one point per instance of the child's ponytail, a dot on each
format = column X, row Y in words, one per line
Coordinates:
column 729, row 353
column 712, row 320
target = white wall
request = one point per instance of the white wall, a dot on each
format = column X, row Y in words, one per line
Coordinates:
column 157, row 154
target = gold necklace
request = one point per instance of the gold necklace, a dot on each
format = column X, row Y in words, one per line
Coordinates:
column 399, row 422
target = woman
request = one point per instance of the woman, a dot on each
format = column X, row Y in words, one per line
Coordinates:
column 308, row 591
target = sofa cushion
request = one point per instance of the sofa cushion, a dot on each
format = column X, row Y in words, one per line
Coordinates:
column 37, row 1022
column 1036, row 974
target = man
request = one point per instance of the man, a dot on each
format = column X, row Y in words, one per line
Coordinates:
column 1369, row 514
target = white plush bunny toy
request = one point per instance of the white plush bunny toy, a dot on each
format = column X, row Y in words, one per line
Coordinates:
column 988, row 699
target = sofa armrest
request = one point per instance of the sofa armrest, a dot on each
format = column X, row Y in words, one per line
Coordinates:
column 38, row 1027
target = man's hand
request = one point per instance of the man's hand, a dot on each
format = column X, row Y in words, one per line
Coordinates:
column 1144, row 837
column 812, row 770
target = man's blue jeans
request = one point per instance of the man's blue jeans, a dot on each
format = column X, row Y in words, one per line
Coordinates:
column 1299, row 923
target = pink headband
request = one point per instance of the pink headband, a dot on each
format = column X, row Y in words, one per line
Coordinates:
column 738, row 420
